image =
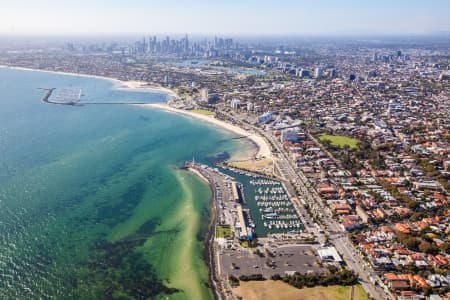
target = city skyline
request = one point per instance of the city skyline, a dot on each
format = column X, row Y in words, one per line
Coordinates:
column 323, row 17
column 225, row 150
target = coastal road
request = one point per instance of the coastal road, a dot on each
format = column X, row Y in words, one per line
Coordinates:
column 323, row 213
column 342, row 243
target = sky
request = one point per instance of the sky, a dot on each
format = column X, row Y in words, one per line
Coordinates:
column 235, row 17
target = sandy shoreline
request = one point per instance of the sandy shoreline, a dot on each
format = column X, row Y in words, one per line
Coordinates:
column 263, row 148
column 133, row 85
column 143, row 86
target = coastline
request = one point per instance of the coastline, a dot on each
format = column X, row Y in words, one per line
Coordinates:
column 262, row 147
column 263, row 150
column 208, row 251
column 132, row 85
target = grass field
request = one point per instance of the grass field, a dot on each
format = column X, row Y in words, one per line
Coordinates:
column 339, row 140
column 261, row 290
column 203, row 112
column 223, row 232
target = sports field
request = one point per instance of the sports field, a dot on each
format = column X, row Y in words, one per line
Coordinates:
column 339, row 140
column 269, row 289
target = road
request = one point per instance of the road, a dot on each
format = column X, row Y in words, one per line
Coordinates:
column 340, row 240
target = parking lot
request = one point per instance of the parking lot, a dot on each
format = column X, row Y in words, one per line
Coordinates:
column 280, row 260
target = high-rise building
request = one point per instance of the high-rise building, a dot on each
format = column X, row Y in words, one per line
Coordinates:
column 375, row 56
column 204, row 95
column 304, row 73
column 144, row 45
column 290, row 135
column 186, row 44
column 318, row 72
column 333, row 73
column 235, row 103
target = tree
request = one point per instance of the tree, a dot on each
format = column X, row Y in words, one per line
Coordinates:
column 417, row 216
column 409, row 242
column 445, row 247
column 234, row 282
column 427, row 248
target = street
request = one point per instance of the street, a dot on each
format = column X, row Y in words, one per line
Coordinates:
column 312, row 198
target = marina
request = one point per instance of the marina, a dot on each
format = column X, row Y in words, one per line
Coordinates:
column 98, row 182
column 269, row 207
column 72, row 97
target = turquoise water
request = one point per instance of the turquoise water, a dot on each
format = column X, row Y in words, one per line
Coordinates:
column 92, row 204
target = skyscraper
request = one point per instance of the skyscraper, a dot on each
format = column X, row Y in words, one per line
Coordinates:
column 318, row 72
column 186, row 44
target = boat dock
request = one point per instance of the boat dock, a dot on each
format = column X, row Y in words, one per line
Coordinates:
column 72, row 97
column 232, row 230
column 225, row 213
column 47, row 94
column 268, row 203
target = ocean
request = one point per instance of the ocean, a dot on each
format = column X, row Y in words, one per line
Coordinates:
column 93, row 204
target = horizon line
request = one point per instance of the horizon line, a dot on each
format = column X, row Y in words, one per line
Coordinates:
column 244, row 34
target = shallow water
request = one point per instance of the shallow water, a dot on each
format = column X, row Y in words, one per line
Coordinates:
column 92, row 204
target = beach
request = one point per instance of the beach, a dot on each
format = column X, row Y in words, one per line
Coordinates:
column 105, row 184
column 263, row 150
column 262, row 146
column 132, row 85
column 143, row 86
column 142, row 150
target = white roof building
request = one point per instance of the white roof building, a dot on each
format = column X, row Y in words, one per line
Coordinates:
column 330, row 254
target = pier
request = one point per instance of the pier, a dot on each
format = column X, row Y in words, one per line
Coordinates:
column 114, row 103
column 234, row 189
column 47, row 95
column 73, row 98
column 230, row 239
column 235, row 138
column 220, row 185
column 269, row 204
